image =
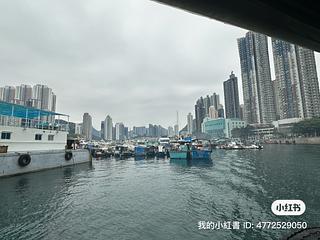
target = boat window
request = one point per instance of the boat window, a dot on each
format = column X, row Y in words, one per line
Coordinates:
column 50, row 137
column 38, row 137
column 5, row 135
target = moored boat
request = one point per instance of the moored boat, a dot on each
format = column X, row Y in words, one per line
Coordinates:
column 33, row 140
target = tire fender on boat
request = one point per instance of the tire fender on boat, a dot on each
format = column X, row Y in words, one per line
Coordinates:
column 24, row 160
column 68, row 156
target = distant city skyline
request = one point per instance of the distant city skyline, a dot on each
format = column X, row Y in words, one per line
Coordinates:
column 104, row 58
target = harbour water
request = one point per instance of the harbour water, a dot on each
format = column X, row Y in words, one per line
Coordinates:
column 162, row 199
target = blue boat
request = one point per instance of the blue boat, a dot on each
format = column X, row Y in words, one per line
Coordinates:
column 200, row 154
column 178, row 154
column 139, row 151
column 188, row 152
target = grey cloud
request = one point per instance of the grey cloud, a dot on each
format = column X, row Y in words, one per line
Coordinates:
column 137, row 60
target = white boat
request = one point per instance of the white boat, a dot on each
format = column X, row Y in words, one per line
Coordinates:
column 32, row 139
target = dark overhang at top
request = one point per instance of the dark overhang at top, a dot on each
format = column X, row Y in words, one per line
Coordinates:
column 296, row 21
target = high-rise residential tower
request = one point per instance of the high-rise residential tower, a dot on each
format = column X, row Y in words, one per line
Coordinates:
column 213, row 113
column 190, row 123
column 102, row 130
column 200, row 114
column 108, row 128
column 231, row 97
column 87, row 126
column 256, row 78
column 1, row 93
column 296, row 85
column 215, row 100
column 308, row 82
column 287, row 92
column 23, row 94
column 43, row 97
column 9, row 94
column 120, row 134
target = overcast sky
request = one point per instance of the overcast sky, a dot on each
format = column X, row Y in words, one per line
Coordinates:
column 137, row 60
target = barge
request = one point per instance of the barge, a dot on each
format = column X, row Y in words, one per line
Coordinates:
column 31, row 140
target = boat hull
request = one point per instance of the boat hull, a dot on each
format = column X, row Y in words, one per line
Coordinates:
column 201, row 154
column 178, row 154
column 41, row 160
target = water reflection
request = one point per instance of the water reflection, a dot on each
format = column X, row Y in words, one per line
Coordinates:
column 22, row 185
column 161, row 199
column 189, row 163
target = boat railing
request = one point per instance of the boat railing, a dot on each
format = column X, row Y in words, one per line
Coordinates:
column 45, row 123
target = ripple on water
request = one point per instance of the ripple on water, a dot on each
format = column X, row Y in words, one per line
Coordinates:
column 159, row 199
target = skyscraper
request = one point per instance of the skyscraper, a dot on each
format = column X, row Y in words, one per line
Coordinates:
column 231, row 97
column 308, row 82
column 207, row 103
column 102, row 130
column 275, row 89
column 296, row 84
column 23, row 94
column 220, row 111
column 108, row 128
column 1, row 93
column 87, row 126
column 9, row 93
column 190, row 123
column 213, row 113
column 44, row 98
column 200, row 114
column 176, row 129
column 256, row 78
column 120, row 132
column 215, row 100
column 241, row 111
column 170, row 131
column 288, row 99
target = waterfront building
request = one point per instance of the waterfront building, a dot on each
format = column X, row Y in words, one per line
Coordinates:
column 102, row 129
column 262, row 131
column 213, row 113
column 120, row 132
column 284, row 126
column 189, row 123
column 87, row 126
column 256, row 78
column 231, row 97
column 221, row 127
column 108, row 128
